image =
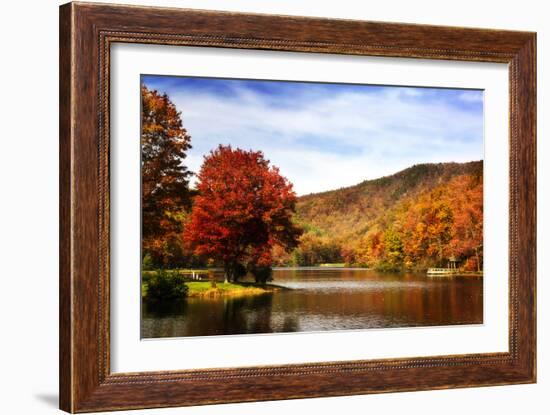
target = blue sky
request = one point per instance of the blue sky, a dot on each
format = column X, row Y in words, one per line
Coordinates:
column 327, row 136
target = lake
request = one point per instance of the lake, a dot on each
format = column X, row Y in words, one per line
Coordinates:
column 320, row 299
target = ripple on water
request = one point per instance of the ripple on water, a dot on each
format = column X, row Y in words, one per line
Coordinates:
column 350, row 285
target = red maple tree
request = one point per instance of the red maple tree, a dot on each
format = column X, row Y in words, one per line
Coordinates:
column 243, row 209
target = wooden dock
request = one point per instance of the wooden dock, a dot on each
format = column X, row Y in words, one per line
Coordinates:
column 452, row 272
column 442, row 271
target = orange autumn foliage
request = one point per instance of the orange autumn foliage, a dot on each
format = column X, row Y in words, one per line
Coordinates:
column 164, row 178
column 417, row 218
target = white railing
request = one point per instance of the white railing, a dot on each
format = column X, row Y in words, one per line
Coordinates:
column 442, row 270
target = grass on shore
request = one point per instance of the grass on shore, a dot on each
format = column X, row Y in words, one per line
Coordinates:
column 333, row 265
column 203, row 289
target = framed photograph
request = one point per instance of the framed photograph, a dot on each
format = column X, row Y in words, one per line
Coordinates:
column 259, row 207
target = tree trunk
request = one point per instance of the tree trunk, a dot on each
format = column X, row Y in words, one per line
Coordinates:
column 476, row 250
column 227, row 273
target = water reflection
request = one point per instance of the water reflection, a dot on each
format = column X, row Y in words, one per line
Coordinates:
column 324, row 299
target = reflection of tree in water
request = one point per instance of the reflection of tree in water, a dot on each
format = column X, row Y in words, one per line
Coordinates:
column 159, row 309
column 370, row 300
column 251, row 314
column 290, row 324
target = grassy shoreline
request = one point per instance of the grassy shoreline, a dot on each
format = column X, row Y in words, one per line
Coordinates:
column 203, row 289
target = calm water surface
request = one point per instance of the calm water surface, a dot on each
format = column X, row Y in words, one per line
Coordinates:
column 319, row 299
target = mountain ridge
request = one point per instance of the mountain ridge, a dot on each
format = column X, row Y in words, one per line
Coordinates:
column 408, row 170
column 405, row 183
column 416, row 217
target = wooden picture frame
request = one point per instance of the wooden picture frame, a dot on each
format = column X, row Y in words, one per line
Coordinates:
column 86, row 33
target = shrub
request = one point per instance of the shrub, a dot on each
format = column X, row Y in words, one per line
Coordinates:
column 164, row 286
column 386, row 267
column 147, row 263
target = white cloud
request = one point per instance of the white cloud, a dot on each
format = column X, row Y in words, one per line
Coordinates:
column 322, row 142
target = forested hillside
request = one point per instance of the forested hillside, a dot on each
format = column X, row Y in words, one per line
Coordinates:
column 416, row 218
